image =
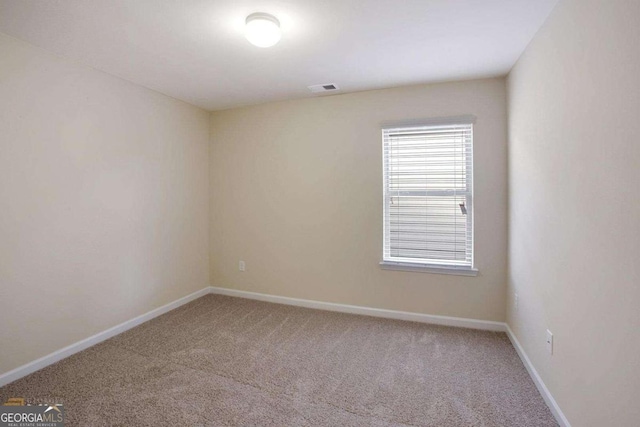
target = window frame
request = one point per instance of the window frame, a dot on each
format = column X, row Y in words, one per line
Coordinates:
column 420, row 265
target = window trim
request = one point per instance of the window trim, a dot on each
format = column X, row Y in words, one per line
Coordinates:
column 428, row 268
column 421, row 266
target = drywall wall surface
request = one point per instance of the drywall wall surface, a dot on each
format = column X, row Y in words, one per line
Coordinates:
column 104, row 201
column 296, row 190
column 574, row 157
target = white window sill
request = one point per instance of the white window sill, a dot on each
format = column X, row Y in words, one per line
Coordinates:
column 426, row 268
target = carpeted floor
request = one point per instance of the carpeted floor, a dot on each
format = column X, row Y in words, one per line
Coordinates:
column 222, row 361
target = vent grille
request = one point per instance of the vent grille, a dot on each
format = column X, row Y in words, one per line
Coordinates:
column 325, row 87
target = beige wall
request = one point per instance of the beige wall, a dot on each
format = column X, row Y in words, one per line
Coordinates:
column 297, row 193
column 574, row 154
column 104, row 202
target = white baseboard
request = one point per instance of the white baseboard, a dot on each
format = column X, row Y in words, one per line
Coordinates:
column 486, row 325
column 58, row 355
column 542, row 388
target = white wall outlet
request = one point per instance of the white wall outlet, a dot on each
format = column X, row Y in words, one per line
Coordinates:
column 549, row 342
column 515, row 301
column 241, row 266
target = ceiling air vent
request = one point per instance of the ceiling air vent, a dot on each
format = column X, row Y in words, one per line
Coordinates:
column 327, row 87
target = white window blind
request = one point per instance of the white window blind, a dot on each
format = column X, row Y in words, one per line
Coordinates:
column 428, row 194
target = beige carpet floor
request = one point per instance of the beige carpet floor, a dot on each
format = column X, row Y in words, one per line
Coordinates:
column 222, row 361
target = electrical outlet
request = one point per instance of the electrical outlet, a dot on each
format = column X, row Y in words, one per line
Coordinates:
column 549, row 342
column 515, row 301
column 241, row 266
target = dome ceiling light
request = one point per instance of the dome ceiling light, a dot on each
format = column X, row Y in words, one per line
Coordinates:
column 262, row 29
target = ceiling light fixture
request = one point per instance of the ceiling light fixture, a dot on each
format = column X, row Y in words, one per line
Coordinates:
column 262, row 29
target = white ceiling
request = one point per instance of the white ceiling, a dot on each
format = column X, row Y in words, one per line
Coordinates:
column 195, row 50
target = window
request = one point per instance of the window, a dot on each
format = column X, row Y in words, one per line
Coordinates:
column 428, row 196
